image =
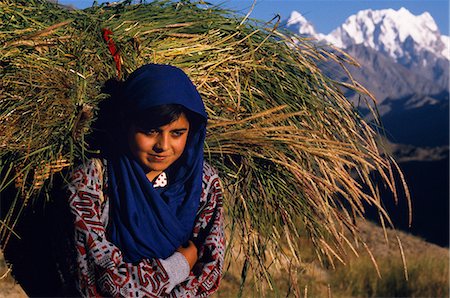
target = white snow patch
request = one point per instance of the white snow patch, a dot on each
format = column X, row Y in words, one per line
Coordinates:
column 304, row 27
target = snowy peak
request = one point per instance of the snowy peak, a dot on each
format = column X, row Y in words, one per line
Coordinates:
column 402, row 53
column 446, row 48
column 298, row 24
column 405, row 37
column 396, row 33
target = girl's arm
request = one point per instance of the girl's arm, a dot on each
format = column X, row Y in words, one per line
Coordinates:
column 208, row 236
column 101, row 269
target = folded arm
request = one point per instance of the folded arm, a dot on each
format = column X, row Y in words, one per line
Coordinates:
column 208, row 235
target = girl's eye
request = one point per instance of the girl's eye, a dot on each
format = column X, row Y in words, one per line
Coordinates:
column 177, row 133
column 151, row 132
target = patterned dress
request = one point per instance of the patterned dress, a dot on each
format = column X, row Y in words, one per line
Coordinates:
column 101, row 268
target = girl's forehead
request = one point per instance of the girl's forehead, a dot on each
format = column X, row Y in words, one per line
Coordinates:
column 181, row 123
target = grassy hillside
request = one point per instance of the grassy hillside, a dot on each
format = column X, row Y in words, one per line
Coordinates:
column 427, row 266
column 428, row 272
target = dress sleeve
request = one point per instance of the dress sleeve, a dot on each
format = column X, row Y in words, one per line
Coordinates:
column 208, row 236
column 101, row 268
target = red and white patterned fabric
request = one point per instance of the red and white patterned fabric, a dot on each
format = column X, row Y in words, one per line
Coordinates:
column 161, row 180
column 101, row 269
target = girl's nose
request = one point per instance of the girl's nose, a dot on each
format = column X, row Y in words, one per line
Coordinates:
column 162, row 144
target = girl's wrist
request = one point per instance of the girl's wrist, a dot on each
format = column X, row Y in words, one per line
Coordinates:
column 177, row 268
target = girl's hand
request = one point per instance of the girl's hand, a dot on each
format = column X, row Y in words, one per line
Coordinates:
column 190, row 253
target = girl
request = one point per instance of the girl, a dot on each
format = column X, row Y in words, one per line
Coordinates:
column 148, row 217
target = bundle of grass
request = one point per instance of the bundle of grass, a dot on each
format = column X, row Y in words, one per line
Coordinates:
column 294, row 155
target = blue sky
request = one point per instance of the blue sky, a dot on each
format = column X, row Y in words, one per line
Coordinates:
column 324, row 14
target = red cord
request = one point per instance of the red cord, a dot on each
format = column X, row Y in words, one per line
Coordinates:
column 112, row 49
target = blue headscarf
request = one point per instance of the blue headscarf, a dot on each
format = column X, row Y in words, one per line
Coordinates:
column 146, row 222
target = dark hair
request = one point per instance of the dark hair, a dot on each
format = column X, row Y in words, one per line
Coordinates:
column 159, row 116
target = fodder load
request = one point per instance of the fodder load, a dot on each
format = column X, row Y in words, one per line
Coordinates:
column 294, row 155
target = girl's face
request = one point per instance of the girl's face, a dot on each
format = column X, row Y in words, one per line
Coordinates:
column 158, row 148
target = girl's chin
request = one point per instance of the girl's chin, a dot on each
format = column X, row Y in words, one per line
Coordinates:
column 156, row 166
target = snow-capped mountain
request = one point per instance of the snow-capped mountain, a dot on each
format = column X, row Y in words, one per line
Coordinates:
column 405, row 64
column 378, row 39
column 397, row 33
column 298, row 24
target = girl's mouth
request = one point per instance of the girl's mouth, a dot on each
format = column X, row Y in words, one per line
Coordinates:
column 157, row 157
